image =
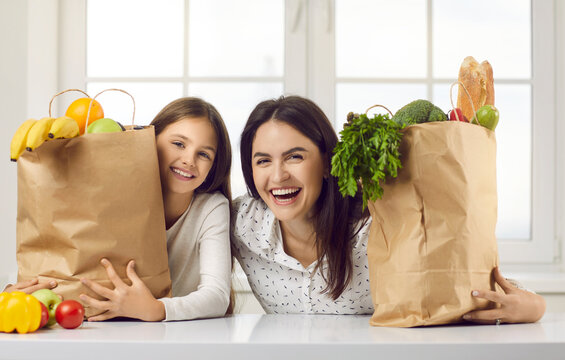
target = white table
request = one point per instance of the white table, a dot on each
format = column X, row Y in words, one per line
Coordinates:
column 289, row 337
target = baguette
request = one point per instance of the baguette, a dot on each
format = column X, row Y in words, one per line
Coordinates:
column 478, row 80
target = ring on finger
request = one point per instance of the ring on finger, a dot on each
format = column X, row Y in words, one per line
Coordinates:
column 497, row 322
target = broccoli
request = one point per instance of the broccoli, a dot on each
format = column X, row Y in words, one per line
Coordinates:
column 419, row 111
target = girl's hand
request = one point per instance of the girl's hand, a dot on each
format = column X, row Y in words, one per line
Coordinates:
column 514, row 306
column 135, row 301
column 30, row 286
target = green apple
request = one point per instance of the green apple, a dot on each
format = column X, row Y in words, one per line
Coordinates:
column 50, row 300
column 103, row 125
column 488, row 116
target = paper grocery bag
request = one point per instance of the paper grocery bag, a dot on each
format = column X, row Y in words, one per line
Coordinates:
column 432, row 238
column 89, row 197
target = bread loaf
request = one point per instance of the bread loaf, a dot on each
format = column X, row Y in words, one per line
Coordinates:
column 477, row 79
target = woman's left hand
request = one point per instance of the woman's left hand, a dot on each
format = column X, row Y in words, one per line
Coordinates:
column 514, row 306
column 133, row 301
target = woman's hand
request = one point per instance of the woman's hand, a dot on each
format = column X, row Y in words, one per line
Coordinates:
column 514, row 306
column 133, row 301
column 30, row 286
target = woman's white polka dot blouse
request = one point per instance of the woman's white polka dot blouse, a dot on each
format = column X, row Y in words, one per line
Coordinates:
column 280, row 283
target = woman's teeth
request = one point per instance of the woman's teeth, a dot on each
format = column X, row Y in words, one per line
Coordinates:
column 284, row 191
column 283, row 195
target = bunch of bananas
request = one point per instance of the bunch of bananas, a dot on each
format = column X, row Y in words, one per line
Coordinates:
column 32, row 133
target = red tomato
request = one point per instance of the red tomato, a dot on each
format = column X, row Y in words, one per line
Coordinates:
column 69, row 314
column 44, row 315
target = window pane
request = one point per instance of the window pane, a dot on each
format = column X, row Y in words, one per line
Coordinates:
column 135, row 38
column 235, row 101
column 149, row 98
column 495, row 30
column 514, row 161
column 351, row 97
column 441, row 96
column 380, row 38
column 236, row 38
column 514, row 157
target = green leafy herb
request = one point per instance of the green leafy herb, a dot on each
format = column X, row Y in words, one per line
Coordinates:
column 367, row 151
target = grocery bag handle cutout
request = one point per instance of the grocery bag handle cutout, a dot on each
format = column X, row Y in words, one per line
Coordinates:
column 90, row 105
column 103, row 91
column 470, row 101
column 62, row 92
column 378, row 105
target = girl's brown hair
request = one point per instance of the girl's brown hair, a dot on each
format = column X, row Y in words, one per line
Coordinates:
column 336, row 218
column 218, row 178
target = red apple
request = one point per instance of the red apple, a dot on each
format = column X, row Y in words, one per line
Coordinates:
column 457, row 113
column 44, row 315
column 69, row 314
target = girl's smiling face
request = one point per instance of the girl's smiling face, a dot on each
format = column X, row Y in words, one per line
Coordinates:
column 186, row 150
column 288, row 170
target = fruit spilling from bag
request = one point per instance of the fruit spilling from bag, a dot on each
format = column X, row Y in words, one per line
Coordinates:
column 25, row 313
column 32, row 133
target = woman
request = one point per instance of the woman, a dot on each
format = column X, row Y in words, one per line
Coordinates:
column 302, row 245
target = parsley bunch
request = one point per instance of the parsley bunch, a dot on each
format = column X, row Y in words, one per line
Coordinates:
column 367, row 151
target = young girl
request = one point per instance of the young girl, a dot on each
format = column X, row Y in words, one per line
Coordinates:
column 302, row 245
column 194, row 155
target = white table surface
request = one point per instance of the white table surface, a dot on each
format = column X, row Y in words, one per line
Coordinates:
column 289, row 337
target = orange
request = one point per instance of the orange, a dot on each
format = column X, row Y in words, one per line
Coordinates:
column 78, row 110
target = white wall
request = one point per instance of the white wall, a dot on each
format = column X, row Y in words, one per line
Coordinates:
column 13, row 110
column 28, row 79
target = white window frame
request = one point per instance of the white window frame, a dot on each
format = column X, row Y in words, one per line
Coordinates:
column 310, row 71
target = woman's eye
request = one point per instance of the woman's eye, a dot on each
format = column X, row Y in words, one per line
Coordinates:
column 178, row 144
column 262, row 161
column 295, row 157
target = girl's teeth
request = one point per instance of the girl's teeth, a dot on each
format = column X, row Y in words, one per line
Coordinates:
column 180, row 172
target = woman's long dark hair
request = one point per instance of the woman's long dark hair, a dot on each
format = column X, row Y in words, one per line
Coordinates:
column 335, row 217
column 218, row 178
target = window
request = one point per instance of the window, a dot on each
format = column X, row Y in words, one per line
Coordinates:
column 346, row 55
column 181, row 48
column 387, row 55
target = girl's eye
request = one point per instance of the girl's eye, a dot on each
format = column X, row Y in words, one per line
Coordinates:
column 205, row 155
column 178, row 144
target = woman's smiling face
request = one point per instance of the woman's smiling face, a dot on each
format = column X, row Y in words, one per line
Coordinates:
column 186, row 151
column 288, row 170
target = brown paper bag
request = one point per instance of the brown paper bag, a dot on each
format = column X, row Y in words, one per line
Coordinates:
column 432, row 239
column 94, row 196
